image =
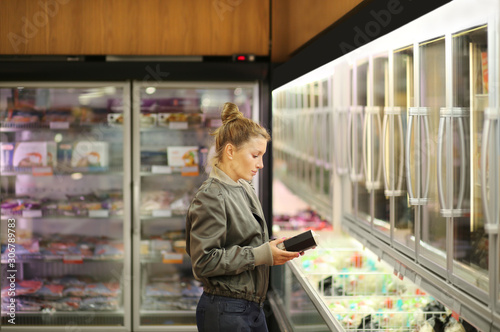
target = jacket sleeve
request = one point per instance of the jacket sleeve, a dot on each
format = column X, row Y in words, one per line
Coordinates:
column 206, row 226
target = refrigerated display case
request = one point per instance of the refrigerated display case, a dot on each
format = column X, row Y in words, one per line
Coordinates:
column 171, row 130
column 423, row 104
column 65, row 179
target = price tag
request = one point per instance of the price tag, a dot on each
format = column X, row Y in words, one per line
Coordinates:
column 98, row 213
column 161, row 169
column 177, row 125
column 42, row 171
column 59, row 125
column 73, row 259
column 418, row 280
column 32, row 213
column 162, row 213
column 172, row 258
column 190, row 171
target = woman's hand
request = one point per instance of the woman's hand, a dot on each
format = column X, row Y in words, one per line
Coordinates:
column 280, row 257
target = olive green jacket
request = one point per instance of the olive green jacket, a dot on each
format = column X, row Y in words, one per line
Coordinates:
column 227, row 239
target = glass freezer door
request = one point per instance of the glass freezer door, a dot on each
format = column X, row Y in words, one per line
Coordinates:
column 465, row 125
column 172, row 145
column 426, row 121
column 64, row 206
column 397, row 129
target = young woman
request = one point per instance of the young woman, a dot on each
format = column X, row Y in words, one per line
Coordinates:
column 227, row 237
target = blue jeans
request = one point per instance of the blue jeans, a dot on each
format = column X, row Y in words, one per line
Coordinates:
column 225, row 314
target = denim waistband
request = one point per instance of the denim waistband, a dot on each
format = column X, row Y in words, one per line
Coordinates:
column 214, row 297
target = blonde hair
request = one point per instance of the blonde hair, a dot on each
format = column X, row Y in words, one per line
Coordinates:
column 235, row 129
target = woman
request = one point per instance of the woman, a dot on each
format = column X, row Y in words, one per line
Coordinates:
column 227, row 237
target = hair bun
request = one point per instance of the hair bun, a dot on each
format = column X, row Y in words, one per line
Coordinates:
column 230, row 112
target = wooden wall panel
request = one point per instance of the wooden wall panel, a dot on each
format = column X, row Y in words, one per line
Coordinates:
column 295, row 22
column 132, row 27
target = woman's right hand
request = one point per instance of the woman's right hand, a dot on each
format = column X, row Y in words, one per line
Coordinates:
column 280, row 257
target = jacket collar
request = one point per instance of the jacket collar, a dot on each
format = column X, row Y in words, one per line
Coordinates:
column 217, row 173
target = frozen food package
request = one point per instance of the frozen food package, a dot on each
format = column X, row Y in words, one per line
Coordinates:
column 90, row 154
column 115, row 119
column 184, row 156
column 35, row 154
column 7, row 154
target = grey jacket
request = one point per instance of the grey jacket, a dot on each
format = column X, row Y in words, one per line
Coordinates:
column 227, row 239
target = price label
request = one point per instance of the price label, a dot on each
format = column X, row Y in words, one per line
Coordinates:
column 42, row 171
column 161, row 169
column 162, row 213
column 73, row 259
column 190, row 171
column 59, row 125
column 178, row 125
column 32, row 213
column 98, row 213
column 172, row 258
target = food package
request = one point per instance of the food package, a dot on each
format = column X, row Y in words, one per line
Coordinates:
column 64, row 152
column 148, row 119
column 184, row 156
column 35, row 154
column 90, row 154
column 7, row 154
column 115, row 119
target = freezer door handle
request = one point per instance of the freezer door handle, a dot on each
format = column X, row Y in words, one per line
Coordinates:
column 419, row 115
column 372, row 171
column 392, row 188
column 407, row 160
column 355, row 166
column 489, row 186
column 442, row 201
column 341, row 126
column 446, row 199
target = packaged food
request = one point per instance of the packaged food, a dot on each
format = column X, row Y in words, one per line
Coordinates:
column 115, row 119
column 184, row 156
column 35, row 154
column 90, row 154
column 148, row 119
column 7, row 155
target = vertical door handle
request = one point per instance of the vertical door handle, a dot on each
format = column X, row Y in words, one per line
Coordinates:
column 402, row 154
column 389, row 190
column 421, row 115
column 463, row 164
column 491, row 208
column 442, row 123
column 356, row 170
column 341, row 126
column 407, row 159
column 363, row 149
column 393, row 186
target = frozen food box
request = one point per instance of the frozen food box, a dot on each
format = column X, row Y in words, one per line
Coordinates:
column 64, row 152
column 115, row 119
column 148, row 119
column 7, row 154
column 184, row 156
column 34, row 154
column 90, row 154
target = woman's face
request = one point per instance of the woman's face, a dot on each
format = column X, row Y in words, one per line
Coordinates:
column 245, row 162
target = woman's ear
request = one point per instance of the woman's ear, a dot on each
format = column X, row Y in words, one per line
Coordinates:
column 229, row 151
